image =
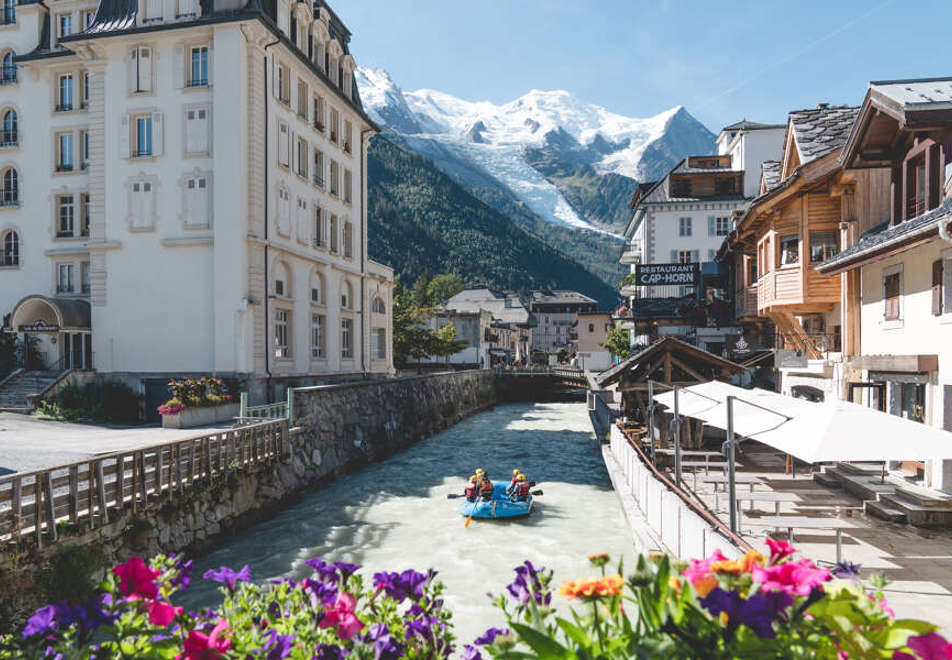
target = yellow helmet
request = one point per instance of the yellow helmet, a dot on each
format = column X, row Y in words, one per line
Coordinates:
column 479, row 470
column 473, row 478
column 521, row 477
column 515, row 472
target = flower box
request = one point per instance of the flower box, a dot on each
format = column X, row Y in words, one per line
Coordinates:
column 201, row 416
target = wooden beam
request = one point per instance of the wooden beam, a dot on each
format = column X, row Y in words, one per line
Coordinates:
column 667, row 368
column 688, row 370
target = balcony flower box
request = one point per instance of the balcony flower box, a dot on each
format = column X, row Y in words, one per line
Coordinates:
column 319, row 126
column 187, row 418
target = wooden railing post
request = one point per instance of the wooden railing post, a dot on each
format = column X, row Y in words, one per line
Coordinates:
column 50, row 503
column 74, row 493
column 38, row 509
column 16, row 506
column 101, row 494
column 134, row 486
column 143, row 486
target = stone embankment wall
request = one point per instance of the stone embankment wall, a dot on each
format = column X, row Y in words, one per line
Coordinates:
column 339, row 428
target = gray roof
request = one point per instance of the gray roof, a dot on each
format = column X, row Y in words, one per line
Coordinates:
column 747, row 125
column 770, row 173
column 506, row 308
column 913, row 94
column 820, row 131
column 884, row 236
column 683, row 168
column 548, row 296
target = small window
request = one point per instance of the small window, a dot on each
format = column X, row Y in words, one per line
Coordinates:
column 319, row 113
column 142, row 205
column 84, row 150
column 335, row 125
column 684, row 226
column 9, row 69
column 282, row 333
column 10, row 137
column 197, row 201
column 348, row 136
column 84, row 214
column 10, row 193
column 378, row 306
column 333, row 231
column 823, row 245
column 284, row 84
column 347, row 338
column 680, row 187
column 9, row 12
column 685, row 256
column 318, row 333
column 302, row 97
column 65, row 278
column 348, row 240
column 318, row 235
column 346, row 296
column 892, row 292
column 379, row 343
column 88, row 16
column 64, row 93
column 64, row 152
column 283, row 148
column 10, row 249
column 198, row 66
column 65, row 216
column 789, row 249
column 722, row 226
column 142, row 137
column 302, row 157
column 318, row 168
column 196, row 131
column 64, row 25
column 335, row 179
column 348, row 186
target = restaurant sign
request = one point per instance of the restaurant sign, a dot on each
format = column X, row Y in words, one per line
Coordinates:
column 39, row 325
column 660, row 274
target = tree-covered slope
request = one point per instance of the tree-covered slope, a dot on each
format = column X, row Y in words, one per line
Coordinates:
column 421, row 219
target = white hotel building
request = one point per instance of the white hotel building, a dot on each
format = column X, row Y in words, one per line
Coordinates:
column 183, row 191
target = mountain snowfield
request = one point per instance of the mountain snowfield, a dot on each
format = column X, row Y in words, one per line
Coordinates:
column 482, row 140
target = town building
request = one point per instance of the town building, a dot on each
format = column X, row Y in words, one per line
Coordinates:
column 184, row 191
column 556, row 317
column 512, row 324
column 896, row 273
column 591, row 332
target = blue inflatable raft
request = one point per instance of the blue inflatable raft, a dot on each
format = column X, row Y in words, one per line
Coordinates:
column 499, row 507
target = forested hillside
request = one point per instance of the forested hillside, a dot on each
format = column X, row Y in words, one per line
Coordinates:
column 422, row 220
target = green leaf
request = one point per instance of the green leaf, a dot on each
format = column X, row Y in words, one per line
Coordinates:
column 545, row 647
column 900, row 630
column 574, row 633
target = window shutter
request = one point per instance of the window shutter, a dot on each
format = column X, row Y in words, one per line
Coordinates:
column 131, row 71
column 182, row 75
column 711, row 230
column 157, row 133
column 145, row 69
column 695, row 256
column 937, row 287
column 274, row 77
column 674, row 256
column 211, row 62
column 947, row 285
column 124, row 137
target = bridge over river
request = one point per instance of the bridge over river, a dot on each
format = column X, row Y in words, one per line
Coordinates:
column 395, row 515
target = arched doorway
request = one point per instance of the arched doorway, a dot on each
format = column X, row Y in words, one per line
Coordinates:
column 56, row 332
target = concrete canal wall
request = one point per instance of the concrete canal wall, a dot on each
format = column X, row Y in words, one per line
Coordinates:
column 189, row 495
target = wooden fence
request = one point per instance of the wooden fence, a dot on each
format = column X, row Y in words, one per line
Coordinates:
column 88, row 492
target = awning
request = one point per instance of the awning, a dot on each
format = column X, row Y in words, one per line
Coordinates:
column 813, row 432
column 42, row 314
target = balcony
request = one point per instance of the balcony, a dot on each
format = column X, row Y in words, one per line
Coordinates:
column 197, row 82
column 64, row 107
column 8, row 77
column 630, row 257
column 9, row 16
column 788, row 287
column 65, row 288
column 64, row 167
column 318, row 181
column 745, row 305
column 9, row 139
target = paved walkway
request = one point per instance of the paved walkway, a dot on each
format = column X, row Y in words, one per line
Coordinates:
column 917, row 560
column 28, row 443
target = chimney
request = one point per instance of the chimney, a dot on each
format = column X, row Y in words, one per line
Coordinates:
column 822, row 106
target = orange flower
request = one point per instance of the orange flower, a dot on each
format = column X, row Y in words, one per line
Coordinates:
column 592, row 587
column 737, row 566
column 675, row 583
column 705, row 585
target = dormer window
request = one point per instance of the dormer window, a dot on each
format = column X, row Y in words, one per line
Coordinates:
column 64, row 26
column 680, row 187
column 153, row 11
column 9, row 12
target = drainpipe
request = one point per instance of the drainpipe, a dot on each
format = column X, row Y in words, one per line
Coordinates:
column 363, row 256
column 267, row 284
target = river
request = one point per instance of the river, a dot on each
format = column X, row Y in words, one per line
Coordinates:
column 395, row 514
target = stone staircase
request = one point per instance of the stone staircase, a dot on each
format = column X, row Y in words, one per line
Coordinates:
column 14, row 392
column 900, row 503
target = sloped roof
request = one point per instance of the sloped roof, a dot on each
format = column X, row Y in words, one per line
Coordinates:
column 684, row 168
column 913, row 94
column 883, row 236
column 685, row 351
column 770, row 173
column 560, row 296
column 747, row 125
column 820, row 131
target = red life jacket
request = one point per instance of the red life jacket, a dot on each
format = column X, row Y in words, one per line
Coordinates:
column 486, row 487
column 523, row 490
column 470, row 490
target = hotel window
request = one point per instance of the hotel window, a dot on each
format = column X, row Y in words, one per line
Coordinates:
column 65, row 278
column 142, row 204
column 84, row 214
column 684, row 226
column 140, row 69
column 9, row 69
column 681, row 188
column 84, row 277
column 153, row 11
column 84, row 149
column 302, row 157
column 64, row 152
column 88, row 16
column 196, row 131
column 64, row 25
column 283, row 81
column 318, row 168
column 335, row 124
column 789, row 249
column 916, row 187
column 10, row 137
column 84, row 92
column 379, row 343
column 346, row 296
column 198, row 66
column 348, row 136
column 347, row 338
column 65, row 216
column 348, row 240
column 10, row 249
column 10, row 193
column 724, row 185
column 283, row 148
column 333, row 230
column 197, row 202
column 319, row 113
column 64, row 93
column 721, row 226
column 377, row 306
column 318, row 332
column 302, row 96
column 284, row 212
column 186, row 9
column 9, row 12
column 318, row 236
column 317, row 289
column 142, row 146
column 823, row 245
column 282, row 333
column 892, row 295
column 348, row 186
column 302, row 220
column 687, row 256
column 335, row 178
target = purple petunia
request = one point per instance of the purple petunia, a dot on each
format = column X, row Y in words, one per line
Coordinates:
column 528, row 584
column 184, row 569
column 490, row 636
column 345, row 569
column 846, row 570
column 471, row 653
column 278, row 646
column 325, row 570
column 757, row 612
column 385, row 646
column 328, row 652
column 87, row 616
column 43, row 622
column 229, row 577
column 400, row 586
column 323, row 592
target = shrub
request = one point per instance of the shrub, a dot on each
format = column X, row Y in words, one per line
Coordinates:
column 100, row 400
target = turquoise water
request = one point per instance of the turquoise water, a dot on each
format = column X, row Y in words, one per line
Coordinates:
column 395, row 515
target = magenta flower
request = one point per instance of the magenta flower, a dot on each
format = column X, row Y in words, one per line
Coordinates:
column 926, row 647
column 136, row 580
column 795, row 578
column 779, row 550
column 342, row 616
column 701, row 568
column 199, row 646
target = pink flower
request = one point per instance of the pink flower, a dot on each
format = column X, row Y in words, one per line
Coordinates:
column 779, row 550
column 927, row 647
column 342, row 615
column 199, row 646
column 795, row 578
column 136, row 580
column 701, row 568
column 883, row 605
column 162, row 613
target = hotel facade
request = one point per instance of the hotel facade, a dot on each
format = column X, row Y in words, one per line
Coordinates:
column 183, row 190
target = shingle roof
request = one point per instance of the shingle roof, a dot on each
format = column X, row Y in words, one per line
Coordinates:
column 684, row 168
column 747, row 125
column 560, row 296
column 820, row 131
column 770, row 173
column 913, row 94
column 884, row 236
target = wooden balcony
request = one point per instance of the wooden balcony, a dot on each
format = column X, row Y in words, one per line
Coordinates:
column 745, row 302
column 789, row 288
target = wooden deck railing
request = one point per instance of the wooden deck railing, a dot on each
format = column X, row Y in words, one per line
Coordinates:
column 86, row 493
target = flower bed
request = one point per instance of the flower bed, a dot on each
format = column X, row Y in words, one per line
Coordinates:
column 197, row 402
column 774, row 606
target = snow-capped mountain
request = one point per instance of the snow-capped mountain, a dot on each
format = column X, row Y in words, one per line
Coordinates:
column 570, row 162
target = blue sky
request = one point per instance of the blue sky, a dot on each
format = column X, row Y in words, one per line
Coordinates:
column 723, row 60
